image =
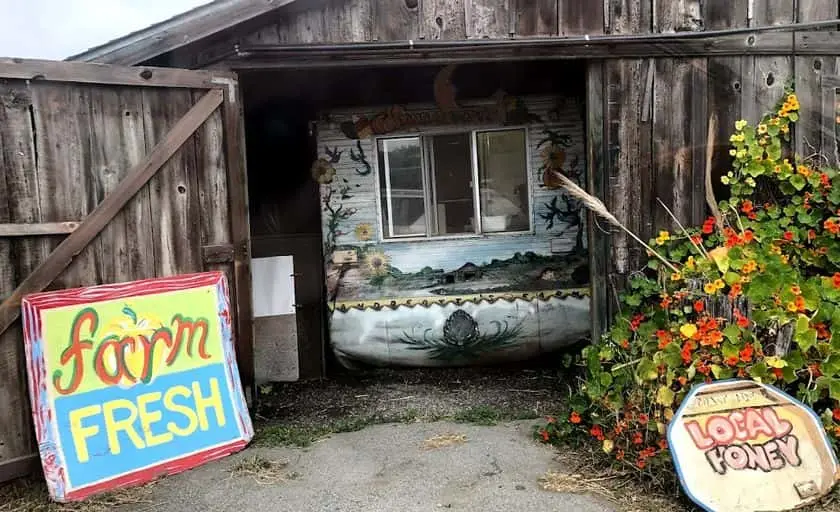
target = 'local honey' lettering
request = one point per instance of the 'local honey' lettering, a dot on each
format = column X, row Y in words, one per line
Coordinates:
column 726, row 440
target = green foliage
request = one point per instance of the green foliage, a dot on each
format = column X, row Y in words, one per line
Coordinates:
column 774, row 264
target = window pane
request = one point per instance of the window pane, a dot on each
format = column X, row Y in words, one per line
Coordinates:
column 503, row 175
column 452, row 179
column 401, row 184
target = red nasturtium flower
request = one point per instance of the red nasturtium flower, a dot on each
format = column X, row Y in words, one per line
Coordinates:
column 596, row 432
column 663, row 444
column 641, row 463
column 664, row 338
column 815, row 369
column 709, row 226
column 836, row 414
column 544, row 434
column 731, row 361
column 619, row 455
column 637, row 321
column 742, row 321
column 749, row 236
column 836, row 279
column 746, row 353
column 788, row 236
column 643, row 419
column 747, row 206
column 822, row 331
column 824, row 181
column 699, row 306
column 778, row 373
column 637, row 438
column 625, row 344
column 574, row 417
column 686, row 351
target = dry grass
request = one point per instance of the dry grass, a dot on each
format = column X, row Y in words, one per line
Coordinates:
column 31, row 496
column 576, row 484
column 444, row 440
column 262, row 471
column 625, row 488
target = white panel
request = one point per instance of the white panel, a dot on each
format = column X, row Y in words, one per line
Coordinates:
column 273, row 285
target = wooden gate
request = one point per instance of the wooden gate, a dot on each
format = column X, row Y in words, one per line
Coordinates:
column 111, row 174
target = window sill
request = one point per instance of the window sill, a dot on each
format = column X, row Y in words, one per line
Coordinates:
column 468, row 236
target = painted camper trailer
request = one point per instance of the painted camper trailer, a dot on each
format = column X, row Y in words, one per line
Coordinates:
column 423, row 268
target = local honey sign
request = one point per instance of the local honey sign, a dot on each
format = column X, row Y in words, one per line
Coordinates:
column 745, row 446
column 132, row 381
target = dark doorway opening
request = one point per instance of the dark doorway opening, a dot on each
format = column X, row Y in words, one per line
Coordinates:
column 281, row 106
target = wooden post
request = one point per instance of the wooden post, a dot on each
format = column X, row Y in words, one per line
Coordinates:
column 240, row 231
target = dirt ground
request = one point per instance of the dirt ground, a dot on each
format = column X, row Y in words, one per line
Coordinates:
column 415, row 394
column 450, row 439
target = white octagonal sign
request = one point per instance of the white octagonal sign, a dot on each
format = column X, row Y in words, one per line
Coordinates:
column 741, row 446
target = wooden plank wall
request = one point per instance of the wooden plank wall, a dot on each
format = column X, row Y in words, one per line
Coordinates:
column 655, row 117
column 63, row 148
column 654, row 114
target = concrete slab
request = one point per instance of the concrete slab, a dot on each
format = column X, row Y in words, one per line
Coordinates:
column 385, row 468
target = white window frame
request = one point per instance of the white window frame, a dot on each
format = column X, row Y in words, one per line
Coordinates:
column 428, row 185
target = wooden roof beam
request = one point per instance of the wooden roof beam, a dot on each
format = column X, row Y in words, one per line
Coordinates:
column 196, row 24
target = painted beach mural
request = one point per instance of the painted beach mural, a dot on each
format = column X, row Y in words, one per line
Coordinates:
column 426, row 269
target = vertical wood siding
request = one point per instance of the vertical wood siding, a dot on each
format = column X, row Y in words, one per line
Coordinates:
column 63, row 149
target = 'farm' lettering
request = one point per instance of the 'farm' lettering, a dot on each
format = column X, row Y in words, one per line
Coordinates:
column 116, row 348
column 138, row 419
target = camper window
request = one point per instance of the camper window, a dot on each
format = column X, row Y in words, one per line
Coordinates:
column 426, row 184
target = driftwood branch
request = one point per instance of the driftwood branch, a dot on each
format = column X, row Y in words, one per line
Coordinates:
column 710, row 193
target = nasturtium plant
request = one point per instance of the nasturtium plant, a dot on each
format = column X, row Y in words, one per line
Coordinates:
column 756, row 295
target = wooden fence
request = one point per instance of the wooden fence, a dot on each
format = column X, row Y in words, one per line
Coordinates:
column 112, row 174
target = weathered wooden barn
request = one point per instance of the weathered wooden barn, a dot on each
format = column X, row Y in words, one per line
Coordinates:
column 649, row 76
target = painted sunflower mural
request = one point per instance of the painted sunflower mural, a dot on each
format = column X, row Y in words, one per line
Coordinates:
column 322, row 171
column 376, row 263
column 364, row 232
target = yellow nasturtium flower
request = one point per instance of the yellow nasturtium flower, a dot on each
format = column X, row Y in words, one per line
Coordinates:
column 688, row 330
column 663, row 237
column 740, row 125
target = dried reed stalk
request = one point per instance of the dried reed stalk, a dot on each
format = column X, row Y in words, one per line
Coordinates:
column 597, row 207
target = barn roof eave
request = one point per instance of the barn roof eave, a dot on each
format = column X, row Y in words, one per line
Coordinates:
column 186, row 28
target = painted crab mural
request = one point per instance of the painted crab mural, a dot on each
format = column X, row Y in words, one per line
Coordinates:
column 462, row 338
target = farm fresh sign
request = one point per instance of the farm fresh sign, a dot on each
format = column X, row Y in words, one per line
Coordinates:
column 131, row 381
column 744, row 446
